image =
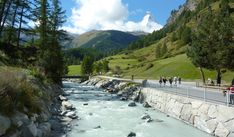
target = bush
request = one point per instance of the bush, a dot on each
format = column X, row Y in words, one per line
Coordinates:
column 148, row 66
column 16, row 92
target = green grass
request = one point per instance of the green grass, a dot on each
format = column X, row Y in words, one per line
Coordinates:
column 74, row 70
column 179, row 65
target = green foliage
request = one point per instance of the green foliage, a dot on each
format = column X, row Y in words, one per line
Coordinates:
column 87, row 65
column 117, row 70
column 164, row 50
column 158, row 51
column 16, row 92
column 74, row 70
column 212, row 43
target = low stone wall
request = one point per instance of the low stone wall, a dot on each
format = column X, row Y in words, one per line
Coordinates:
column 214, row 119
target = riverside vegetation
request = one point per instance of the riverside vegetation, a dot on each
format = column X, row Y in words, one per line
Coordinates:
column 31, row 66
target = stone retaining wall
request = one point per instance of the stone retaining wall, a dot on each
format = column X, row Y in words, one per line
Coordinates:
column 214, row 119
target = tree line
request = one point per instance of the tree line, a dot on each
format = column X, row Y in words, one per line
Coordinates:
column 212, row 41
column 32, row 28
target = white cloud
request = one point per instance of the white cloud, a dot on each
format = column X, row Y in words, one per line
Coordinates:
column 105, row 15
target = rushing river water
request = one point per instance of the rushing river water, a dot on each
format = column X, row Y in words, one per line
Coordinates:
column 103, row 115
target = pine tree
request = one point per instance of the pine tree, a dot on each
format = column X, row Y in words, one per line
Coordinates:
column 158, row 51
column 164, row 49
column 87, row 66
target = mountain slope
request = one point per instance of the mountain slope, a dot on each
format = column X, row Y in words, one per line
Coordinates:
column 143, row 61
column 104, row 41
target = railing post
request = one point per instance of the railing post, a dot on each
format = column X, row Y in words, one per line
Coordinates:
column 187, row 92
column 228, row 97
column 204, row 94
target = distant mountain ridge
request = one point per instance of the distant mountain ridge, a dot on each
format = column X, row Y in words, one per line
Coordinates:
column 103, row 41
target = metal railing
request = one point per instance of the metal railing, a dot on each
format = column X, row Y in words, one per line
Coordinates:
column 201, row 93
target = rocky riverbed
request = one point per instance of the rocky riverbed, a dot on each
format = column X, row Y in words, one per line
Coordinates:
column 109, row 108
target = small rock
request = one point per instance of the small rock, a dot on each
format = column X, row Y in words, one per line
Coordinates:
column 67, row 105
column 146, row 105
column 97, row 127
column 90, row 114
column 132, row 134
column 72, row 115
column 145, row 116
column 148, row 120
column 132, row 104
column 123, row 98
column 168, row 115
column 85, row 104
column 62, row 98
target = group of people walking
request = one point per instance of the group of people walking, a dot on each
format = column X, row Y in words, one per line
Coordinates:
column 172, row 81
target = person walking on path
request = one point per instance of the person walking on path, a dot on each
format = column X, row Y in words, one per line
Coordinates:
column 160, row 81
column 175, row 81
column 170, row 81
column 179, row 79
column 164, row 81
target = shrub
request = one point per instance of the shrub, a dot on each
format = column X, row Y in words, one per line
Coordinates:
column 148, row 66
column 16, row 92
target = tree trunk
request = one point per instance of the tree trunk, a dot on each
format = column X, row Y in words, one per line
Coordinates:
column 13, row 21
column 2, row 11
column 20, row 26
column 219, row 77
column 202, row 75
column 5, row 17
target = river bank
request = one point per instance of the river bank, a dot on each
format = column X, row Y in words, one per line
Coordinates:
column 30, row 107
column 110, row 108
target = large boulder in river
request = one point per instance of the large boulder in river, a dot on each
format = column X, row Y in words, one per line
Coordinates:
column 132, row 104
column 132, row 134
column 5, row 124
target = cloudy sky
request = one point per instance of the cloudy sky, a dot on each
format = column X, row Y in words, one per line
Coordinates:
column 124, row 15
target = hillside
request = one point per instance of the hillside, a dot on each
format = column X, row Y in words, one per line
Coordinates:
column 103, row 41
column 162, row 53
column 179, row 65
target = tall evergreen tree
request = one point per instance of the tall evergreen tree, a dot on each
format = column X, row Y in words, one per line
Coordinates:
column 87, row 66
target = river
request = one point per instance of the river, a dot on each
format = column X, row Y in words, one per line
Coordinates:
column 103, row 115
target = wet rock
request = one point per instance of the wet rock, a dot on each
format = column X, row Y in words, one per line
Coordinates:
column 67, row 105
column 97, row 127
column 30, row 130
column 62, row 98
column 4, row 124
column 85, row 104
column 132, row 104
column 148, row 120
column 123, row 98
column 71, row 114
column 132, row 134
column 90, row 114
column 145, row 116
column 146, row 105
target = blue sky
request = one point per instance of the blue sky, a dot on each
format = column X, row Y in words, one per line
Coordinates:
column 85, row 15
